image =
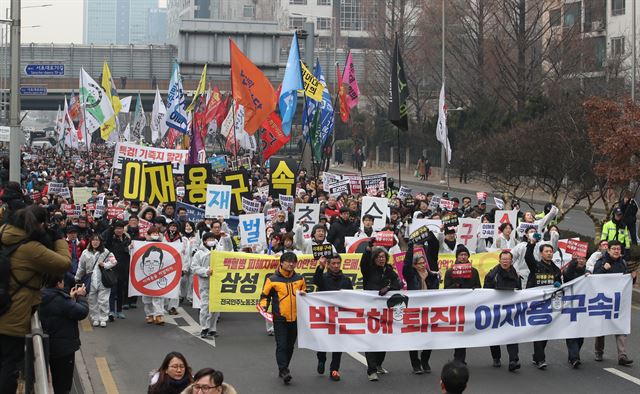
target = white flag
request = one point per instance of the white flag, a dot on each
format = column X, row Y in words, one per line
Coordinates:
column 127, row 133
column 94, row 101
column 442, row 133
column 227, row 124
column 158, row 127
column 139, row 121
column 59, row 132
column 176, row 107
column 125, row 102
column 70, row 132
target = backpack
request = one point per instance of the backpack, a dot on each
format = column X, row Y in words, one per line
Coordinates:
column 6, row 274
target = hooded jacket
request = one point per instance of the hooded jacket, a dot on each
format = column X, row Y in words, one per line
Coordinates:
column 29, row 264
column 339, row 230
column 226, row 389
column 60, row 314
column 280, row 291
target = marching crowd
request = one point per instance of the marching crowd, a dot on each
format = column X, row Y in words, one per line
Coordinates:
column 81, row 263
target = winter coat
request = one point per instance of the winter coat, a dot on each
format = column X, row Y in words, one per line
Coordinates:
column 88, row 265
column 500, row 279
column 618, row 266
column 306, row 245
column 226, row 389
column 410, row 274
column 279, row 291
column 375, row 277
column 572, row 271
column 540, row 273
column 339, row 230
column 462, row 283
column 629, row 210
column 29, row 264
column 60, row 314
column 120, row 249
column 613, row 230
column 327, row 281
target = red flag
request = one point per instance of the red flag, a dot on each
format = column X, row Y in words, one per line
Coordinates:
column 252, row 89
column 213, row 106
column 342, row 96
column 273, row 137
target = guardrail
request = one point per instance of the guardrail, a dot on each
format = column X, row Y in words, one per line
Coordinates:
column 36, row 372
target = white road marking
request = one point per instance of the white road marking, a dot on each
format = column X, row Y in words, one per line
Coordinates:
column 358, row 357
column 636, row 307
column 623, row 375
column 192, row 328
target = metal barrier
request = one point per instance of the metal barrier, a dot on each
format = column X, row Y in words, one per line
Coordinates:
column 36, row 372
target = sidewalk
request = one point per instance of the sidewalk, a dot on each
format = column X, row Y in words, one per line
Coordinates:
column 474, row 184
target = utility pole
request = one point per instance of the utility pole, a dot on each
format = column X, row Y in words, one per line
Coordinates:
column 15, row 136
column 633, row 51
column 443, row 152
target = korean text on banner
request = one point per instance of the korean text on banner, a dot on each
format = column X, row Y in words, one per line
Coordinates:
column 354, row 321
column 237, row 279
column 127, row 151
column 307, row 216
column 252, row 230
column 218, row 201
column 239, row 182
column 155, row 269
column 81, row 194
column 378, row 208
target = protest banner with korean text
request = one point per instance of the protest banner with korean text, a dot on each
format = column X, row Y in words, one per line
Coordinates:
column 218, row 201
column 196, row 178
column 283, row 177
column 309, row 215
column 155, row 269
column 81, row 195
column 377, row 207
column 126, row 151
column 239, row 182
column 251, row 229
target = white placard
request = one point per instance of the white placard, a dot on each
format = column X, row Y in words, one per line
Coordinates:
column 467, row 233
column 252, row 229
column 218, row 201
column 377, row 207
column 310, row 214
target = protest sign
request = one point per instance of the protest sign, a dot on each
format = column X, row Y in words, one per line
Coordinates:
column 467, row 232
column 152, row 183
column 218, row 201
column 577, row 248
column 446, row 204
column 263, row 191
column 218, row 163
column 283, row 177
column 180, row 191
column 196, row 178
column 155, row 269
column 329, row 179
column 54, row 187
column 81, row 195
column 127, row 151
column 323, row 250
column 271, row 214
column 340, row 187
column 502, row 216
column 196, row 302
column 72, row 210
column 524, row 227
column 194, row 214
column 143, row 227
column 481, row 195
column 239, row 182
column 65, row 193
column 499, row 202
column 378, row 208
column 115, row 213
column 252, row 230
column 250, row 206
column 487, row 230
column 384, row 238
column 375, row 182
column 356, row 182
column 286, row 202
column 434, row 203
column 419, row 235
column 404, row 192
column 450, row 220
column 306, row 216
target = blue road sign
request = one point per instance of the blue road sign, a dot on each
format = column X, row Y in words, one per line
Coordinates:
column 44, row 69
column 33, row 90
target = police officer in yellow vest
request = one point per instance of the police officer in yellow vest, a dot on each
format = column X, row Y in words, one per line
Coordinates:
column 616, row 229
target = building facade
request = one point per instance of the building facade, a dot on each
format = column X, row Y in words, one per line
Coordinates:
column 123, row 22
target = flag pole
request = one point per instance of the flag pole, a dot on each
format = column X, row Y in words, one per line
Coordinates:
column 84, row 111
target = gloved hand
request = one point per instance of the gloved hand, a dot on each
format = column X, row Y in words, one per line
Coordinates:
column 556, row 284
column 383, row 291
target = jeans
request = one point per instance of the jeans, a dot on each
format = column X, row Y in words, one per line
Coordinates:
column 286, row 334
column 62, row 373
column 335, row 359
column 422, row 361
column 538, row 351
column 621, row 344
column 11, row 358
column 374, row 360
column 573, row 348
column 512, row 350
column 118, row 295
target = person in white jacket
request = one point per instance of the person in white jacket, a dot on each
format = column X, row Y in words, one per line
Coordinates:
column 153, row 306
column 520, row 249
column 173, row 235
column 603, row 246
column 91, row 259
column 201, row 267
column 318, row 237
column 506, row 238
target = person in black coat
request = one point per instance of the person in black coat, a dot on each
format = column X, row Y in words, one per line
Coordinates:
column 340, row 228
column 459, row 277
column 118, row 241
column 575, row 269
column 629, row 210
column 541, row 273
column 377, row 274
column 504, row 277
column 60, row 313
column 416, row 274
column 333, row 279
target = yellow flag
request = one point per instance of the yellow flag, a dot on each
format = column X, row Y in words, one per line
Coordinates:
column 312, row 87
column 110, row 89
column 199, row 90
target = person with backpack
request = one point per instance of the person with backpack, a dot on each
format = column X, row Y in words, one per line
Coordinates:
column 95, row 259
column 30, row 250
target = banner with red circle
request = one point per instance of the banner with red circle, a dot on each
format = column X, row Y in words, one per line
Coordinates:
column 155, row 269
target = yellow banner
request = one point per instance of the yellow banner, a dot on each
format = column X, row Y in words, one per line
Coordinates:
column 312, row 86
column 237, row 278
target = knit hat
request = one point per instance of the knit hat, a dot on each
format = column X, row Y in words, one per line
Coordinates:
column 462, row 249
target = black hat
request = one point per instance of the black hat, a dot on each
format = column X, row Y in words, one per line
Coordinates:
column 617, row 211
column 449, row 230
column 462, row 249
column 482, row 201
column 72, row 229
column 120, row 223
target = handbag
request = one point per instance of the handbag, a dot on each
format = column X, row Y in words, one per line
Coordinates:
column 108, row 276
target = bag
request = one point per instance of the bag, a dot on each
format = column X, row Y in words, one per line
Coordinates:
column 109, row 277
column 6, row 274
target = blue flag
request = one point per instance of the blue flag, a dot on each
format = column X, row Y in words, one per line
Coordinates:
column 325, row 124
column 291, row 83
column 176, row 117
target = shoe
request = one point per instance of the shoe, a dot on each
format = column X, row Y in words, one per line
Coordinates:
column 575, row 364
column 133, row 306
column 624, row 361
column 270, row 333
column 320, row 368
column 497, row 363
column 111, row 317
column 598, row 357
column 149, row 319
column 203, row 333
column 103, row 324
column 417, row 371
column 125, row 307
column 212, row 334
column 426, row 368
column 120, row 315
column 159, row 321
column 540, row 364
column 285, row 375
column 173, row 311
column 513, row 365
column 95, row 323
column 381, row 370
column 373, row 377
column 335, row 376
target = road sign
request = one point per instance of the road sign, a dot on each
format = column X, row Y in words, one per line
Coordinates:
column 33, row 90
column 44, row 69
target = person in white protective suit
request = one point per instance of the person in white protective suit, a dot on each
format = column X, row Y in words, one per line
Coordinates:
column 151, row 263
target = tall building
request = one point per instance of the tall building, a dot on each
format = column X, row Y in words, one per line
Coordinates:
column 120, row 21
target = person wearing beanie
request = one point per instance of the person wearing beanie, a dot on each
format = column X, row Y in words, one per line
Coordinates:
column 377, row 274
column 118, row 242
column 462, row 276
column 318, row 237
column 341, row 228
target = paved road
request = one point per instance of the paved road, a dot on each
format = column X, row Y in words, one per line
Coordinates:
column 246, row 356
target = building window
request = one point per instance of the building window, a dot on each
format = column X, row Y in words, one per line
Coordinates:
column 573, row 15
column 555, row 17
column 324, row 2
column 617, row 7
column 298, row 2
column 249, row 11
column 296, row 22
column 323, row 24
column 351, row 15
column 617, row 46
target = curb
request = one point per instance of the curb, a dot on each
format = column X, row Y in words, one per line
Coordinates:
column 599, row 211
column 81, row 380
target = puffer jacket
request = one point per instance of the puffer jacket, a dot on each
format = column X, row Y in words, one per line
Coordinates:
column 29, row 264
column 60, row 315
column 280, row 291
column 500, row 279
column 226, row 389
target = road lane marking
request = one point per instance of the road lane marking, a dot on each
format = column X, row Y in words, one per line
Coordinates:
column 86, row 325
column 105, row 374
column 623, row 375
column 358, row 357
column 192, row 327
column 636, row 307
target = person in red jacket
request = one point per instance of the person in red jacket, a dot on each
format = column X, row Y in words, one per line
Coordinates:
column 76, row 246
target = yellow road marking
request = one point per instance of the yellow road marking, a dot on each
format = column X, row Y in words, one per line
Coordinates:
column 105, row 374
column 86, row 325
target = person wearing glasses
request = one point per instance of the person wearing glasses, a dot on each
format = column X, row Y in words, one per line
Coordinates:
column 173, row 376
column 208, row 381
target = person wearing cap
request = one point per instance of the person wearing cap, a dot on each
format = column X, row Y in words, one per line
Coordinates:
column 462, row 276
column 76, row 247
column 281, row 225
column 379, row 275
column 616, row 229
column 576, row 268
column 118, row 242
column 341, row 228
column 318, row 237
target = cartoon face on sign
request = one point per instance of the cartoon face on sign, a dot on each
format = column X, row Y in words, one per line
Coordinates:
column 155, row 269
column 397, row 303
column 151, row 264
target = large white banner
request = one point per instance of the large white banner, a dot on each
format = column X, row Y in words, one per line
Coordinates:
column 356, row 321
column 127, row 151
column 218, row 201
column 378, row 208
column 155, row 269
column 252, row 229
column 309, row 215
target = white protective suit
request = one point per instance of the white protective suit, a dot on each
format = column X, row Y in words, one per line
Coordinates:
column 98, row 297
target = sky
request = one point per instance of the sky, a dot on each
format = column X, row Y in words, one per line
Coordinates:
column 60, row 23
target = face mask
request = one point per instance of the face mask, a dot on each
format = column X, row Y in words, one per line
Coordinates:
column 134, row 210
column 155, row 237
column 211, row 244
